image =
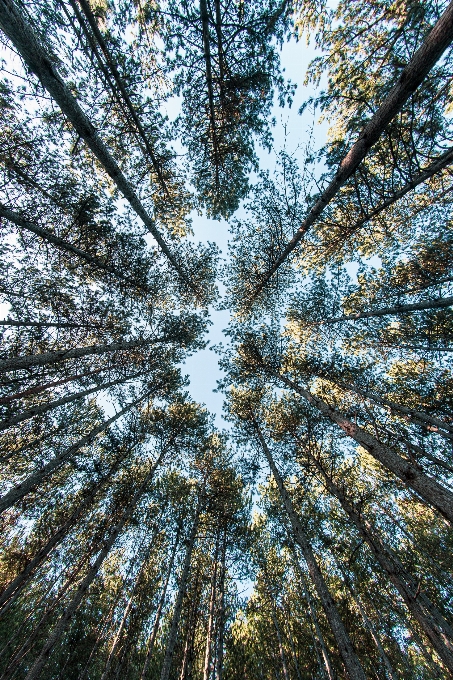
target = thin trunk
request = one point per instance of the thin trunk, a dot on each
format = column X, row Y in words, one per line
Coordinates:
column 61, row 244
column 288, row 616
column 435, row 425
column 38, row 59
column 73, row 605
column 274, row 617
column 427, row 488
column 41, row 409
column 48, row 324
column 211, row 612
column 437, row 41
column 384, row 658
column 314, row 617
column 14, row 588
column 166, row 667
column 124, row 618
column 119, row 82
column 348, row 655
column 441, row 162
column 436, row 628
column 207, row 57
column 191, row 628
column 221, row 619
column 220, row 56
column 32, row 360
column 390, row 311
column 33, row 480
column 42, row 388
column 155, row 628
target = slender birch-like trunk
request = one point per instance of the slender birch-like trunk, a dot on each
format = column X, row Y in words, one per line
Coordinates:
column 348, row 655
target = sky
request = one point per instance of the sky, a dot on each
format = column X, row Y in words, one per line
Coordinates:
column 291, row 131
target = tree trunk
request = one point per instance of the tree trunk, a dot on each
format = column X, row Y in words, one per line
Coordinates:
column 221, row 617
column 19, row 491
column 38, row 59
column 314, row 617
column 348, row 655
column 73, row 605
column 153, row 635
column 437, row 41
column 429, row 489
column 32, row 360
column 119, row 82
column 166, row 667
column 438, row 631
column 441, row 303
column 435, row 425
column 211, row 612
column 41, row 388
column 41, row 409
column 61, row 244
column 12, row 591
column 207, row 57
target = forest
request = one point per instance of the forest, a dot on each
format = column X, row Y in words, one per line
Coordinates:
column 310, row 536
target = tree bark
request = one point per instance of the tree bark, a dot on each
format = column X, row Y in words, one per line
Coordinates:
column 61, row 244
column 437, row 41
column 155, row 628
column 46, row 386
column 73, row 605
column 39, row 60
column 388, row 311
column 211, row 611
column 348, row 655
column 166, row 667
column 41, row 409
column 436, row 628
column 45, row 358
column 32, row 481
column 13, row 589
column 427, row 488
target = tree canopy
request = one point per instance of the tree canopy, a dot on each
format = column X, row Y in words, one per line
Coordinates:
column 311, row 537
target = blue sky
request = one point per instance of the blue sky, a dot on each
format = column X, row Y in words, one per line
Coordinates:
column 292, row 131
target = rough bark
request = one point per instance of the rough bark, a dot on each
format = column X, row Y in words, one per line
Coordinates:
column 38, row 58
column 433, row 493
column 33, row 480
column 61, row 244
column 412, row 76
column 166, row 667
column 347, row 653
column 76, row 600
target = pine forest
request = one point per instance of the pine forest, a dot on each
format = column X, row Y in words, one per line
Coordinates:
column 304, row 530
